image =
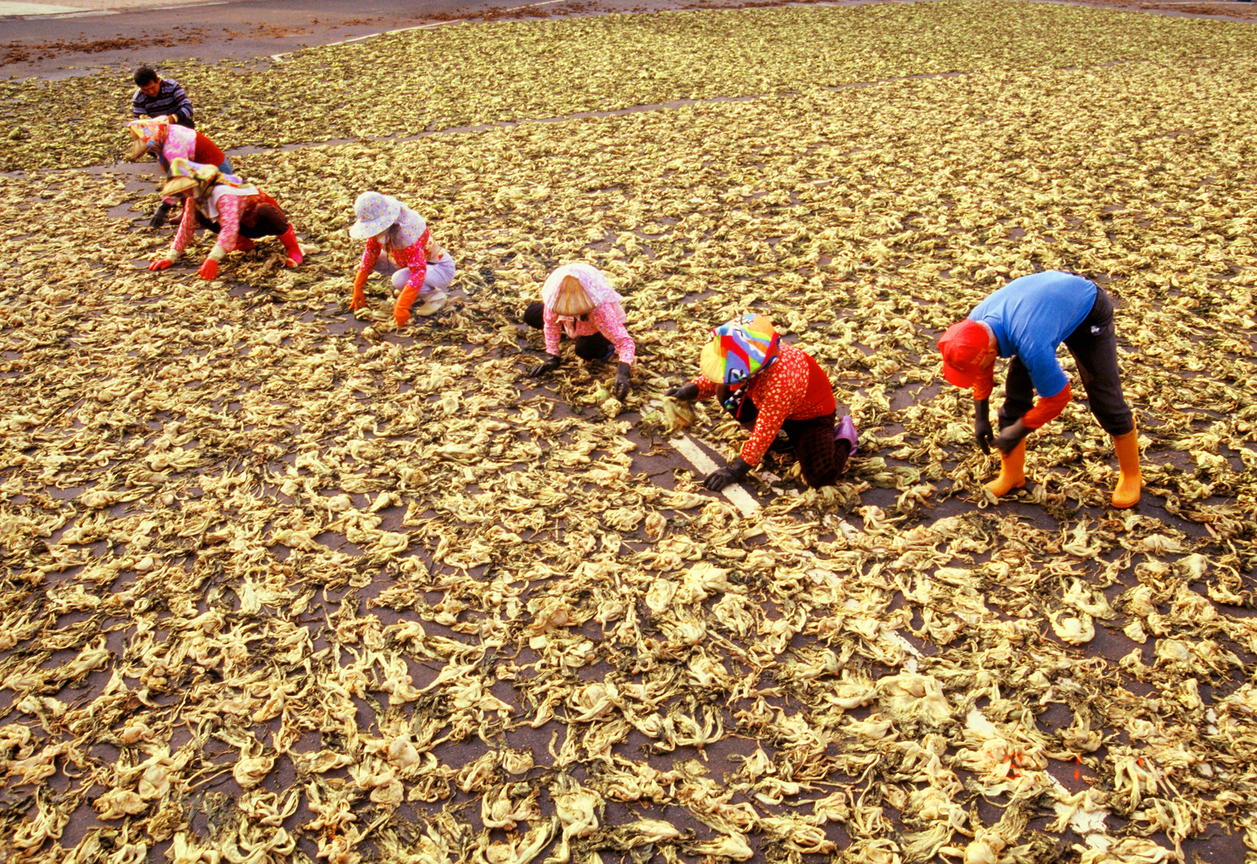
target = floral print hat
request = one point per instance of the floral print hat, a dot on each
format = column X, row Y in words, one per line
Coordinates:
column 147, row 135
column 376, row 213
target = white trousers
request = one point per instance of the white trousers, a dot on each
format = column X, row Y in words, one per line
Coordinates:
column 440, row 275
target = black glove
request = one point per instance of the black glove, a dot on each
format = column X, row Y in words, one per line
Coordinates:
column 734, row 472
column 159, row 218
column 685, row 392
column 547, row 366
column 1010, row 436
column 621, row 388
column 982, row 426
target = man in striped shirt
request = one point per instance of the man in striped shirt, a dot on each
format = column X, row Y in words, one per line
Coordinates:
column 161, row 97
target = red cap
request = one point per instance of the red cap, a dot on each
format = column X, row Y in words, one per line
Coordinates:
column 962, row 346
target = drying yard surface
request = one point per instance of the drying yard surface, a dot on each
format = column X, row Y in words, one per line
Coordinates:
column 282, row 584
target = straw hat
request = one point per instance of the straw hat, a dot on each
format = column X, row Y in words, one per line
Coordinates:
column 571, row 300
column 186, row 174
column 178, row 185
column 710, row 363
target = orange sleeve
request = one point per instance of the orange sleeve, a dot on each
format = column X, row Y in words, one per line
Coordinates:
column 706, row 387
column 984, row 385
column 1047, row 408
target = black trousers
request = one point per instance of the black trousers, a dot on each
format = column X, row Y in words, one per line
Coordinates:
column 821, row 458
column 1094, row 346
column 594, row 347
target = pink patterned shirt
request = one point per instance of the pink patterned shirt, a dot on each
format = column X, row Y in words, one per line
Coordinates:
column 228, row 221
column 415, row 256
column 604, row 319
column 180, row 143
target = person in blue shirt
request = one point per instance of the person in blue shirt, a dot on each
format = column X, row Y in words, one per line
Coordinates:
column 1026, row 321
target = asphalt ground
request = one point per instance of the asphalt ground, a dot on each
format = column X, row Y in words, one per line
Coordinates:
column 54, row 46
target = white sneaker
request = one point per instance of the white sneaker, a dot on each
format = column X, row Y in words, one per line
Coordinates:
column 432, row 304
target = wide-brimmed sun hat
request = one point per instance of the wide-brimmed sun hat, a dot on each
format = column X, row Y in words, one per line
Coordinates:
column 376, row 213
column 739, row 350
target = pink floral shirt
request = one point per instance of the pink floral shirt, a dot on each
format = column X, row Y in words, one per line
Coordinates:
column 228, row 220
column 604, row 319
column 180, row 143
column 415, row 256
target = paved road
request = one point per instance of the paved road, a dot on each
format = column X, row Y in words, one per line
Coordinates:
column 154, row 30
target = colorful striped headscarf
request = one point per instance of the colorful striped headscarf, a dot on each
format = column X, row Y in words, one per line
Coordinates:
column 150, row 133
column 739, row 350
column 185, row 174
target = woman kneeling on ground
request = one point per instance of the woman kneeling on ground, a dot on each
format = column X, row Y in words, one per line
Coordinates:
column 771, row 387
column 579, row 297
column 238, row 212
column 426, row 269
column 168, row 143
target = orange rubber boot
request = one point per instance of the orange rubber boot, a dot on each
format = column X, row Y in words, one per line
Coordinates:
column 1012, row 472
column 1130, row 478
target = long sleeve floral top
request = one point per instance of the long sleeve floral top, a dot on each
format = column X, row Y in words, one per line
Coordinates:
column 605, row 319
column 228, row 209
column 409, row 243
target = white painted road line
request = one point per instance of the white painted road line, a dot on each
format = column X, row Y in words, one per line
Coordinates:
column 279, row 58
column 188, row 5
column 32, row 11
column 530, row 5
column 703, row 463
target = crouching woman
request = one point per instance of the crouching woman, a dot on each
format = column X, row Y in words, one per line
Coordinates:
column 238, row 212
column 769, row 388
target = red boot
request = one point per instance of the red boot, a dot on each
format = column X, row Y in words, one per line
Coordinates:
column 291, row 246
